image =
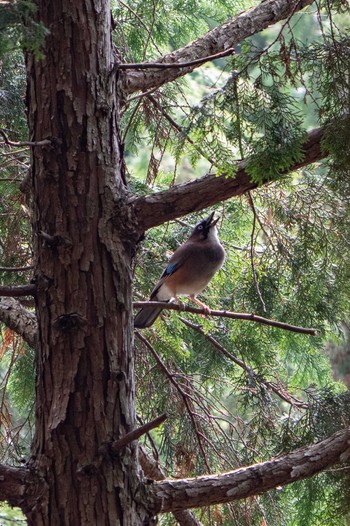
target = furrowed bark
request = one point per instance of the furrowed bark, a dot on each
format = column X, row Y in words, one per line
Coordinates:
column 19, row 320
column 215, row 41
column 174, row 495
column 155, row 209
column 85, row 384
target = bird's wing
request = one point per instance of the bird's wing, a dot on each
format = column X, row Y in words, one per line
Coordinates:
column 176, row 261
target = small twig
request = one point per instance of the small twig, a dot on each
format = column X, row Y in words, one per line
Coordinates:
column 164, row 65
column 23, row 143
column 252, row 235
column 137, row 433
column 178, row 387
column 281, row 392
column 227, row 314
column 16, row 292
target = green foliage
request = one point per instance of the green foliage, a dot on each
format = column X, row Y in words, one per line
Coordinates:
column 235, row 392
column 18, row 28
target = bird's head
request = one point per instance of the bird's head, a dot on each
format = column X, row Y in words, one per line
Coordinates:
column 205, row 229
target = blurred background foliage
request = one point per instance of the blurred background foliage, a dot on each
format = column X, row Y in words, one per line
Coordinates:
column 235, row 392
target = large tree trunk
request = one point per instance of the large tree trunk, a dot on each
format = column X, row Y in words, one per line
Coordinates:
column 85, row 386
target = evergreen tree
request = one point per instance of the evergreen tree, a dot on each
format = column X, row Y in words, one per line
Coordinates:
column 140, row 114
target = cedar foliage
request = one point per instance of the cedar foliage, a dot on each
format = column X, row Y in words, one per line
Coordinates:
column 287, row 246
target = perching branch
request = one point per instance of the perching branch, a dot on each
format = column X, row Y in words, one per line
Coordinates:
column 19, row 320
column 219, row 40
column 227, row 314
column 302, row 463
column 155, row 209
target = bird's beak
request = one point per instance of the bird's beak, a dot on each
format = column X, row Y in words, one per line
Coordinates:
column 209, row 220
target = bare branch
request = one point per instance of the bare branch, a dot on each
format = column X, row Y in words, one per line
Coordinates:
column 155, row 209
column 172, row 65
column 16, row 292
column 137, row 433
column 218, row 40
column 13, row 484
column 7, row 141
column 227, row 314
column 152, row 470
column 16, row 269
column 253, row 480
column 19, row 320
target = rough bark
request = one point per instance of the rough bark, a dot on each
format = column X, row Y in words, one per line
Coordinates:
column 153, row 471
column 155, row 209
column 19, row 486
column 215, row 41
column 85, row 385
column 19, row 320
column 174, row 495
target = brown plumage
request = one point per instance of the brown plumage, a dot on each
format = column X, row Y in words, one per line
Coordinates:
column 189, row 270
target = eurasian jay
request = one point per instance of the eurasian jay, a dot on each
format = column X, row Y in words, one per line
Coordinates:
column 189, row 270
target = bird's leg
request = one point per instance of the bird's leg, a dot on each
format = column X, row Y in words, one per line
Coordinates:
column 201, row 304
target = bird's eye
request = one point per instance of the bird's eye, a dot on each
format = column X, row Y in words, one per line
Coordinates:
column 200, row 227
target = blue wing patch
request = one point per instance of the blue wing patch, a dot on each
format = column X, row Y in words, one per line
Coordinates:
column 170, row 269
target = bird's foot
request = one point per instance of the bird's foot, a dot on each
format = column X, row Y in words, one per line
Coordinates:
column 202, row 305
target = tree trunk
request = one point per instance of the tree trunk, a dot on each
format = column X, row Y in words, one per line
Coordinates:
column 84, row 249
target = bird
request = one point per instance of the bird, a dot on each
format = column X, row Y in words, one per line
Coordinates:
column 188, row 272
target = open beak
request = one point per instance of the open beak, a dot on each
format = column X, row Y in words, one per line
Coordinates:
column 209, row 220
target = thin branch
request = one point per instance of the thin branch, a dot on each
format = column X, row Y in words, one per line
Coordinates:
column 155, row 209
column 252, row 243
column 137, row 433
column 165, row 65
column 227, row 314
column 184, row 395
column 44, row 142
column 278, row 390
column 253, row 480
column 16, row 269
column 16, row 292
column 218, row 40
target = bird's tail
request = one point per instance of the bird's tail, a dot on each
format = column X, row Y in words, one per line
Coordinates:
column 146, row 317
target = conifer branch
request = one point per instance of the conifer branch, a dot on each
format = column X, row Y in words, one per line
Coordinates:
column 152, row 470
column 279, row 390
column 13, row 484
column 218, row 40
column 181, row 391
column 172, row 65
column 19, row 320
column 155, row 209
column 253, row 480
column 244, row 316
